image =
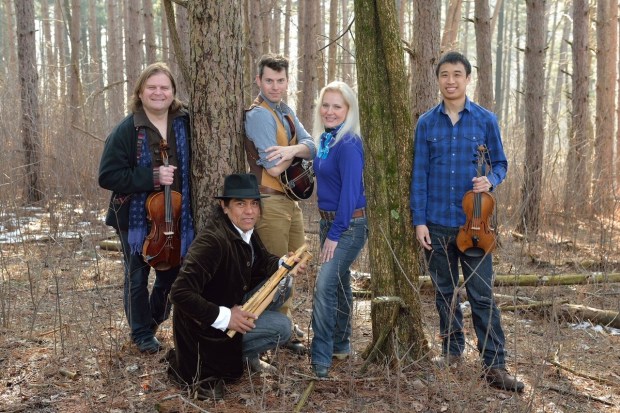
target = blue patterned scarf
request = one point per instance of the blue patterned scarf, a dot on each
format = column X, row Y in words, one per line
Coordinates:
column 137, row 209
column 326, row 140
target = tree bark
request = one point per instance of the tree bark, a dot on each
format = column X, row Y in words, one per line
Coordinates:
column 451, row 27
column 114, row 56
column 28, row 80
column 333, row 32
column 577, row 184
column 307, row 62
column 388, row 131
column 534, row 123
column 484, row 57
column 149, row 32
column 426, row 53
column 216, row 100
column 133, row 51
column 606, row 57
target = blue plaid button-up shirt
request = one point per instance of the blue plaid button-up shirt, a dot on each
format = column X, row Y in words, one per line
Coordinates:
column 445, row 162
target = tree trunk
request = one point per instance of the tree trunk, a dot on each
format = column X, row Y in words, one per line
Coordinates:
column 534, row 124
column 216, row 99
column 114, row 56
column 75, row 87
column 307, row 62
column 426, row 52
column 484, row 58
column 499, row 61
column 287, row 27
column 276, row 32
column 560, row 80
column 577, row 186
column 333, row 32
column 606, row 57
column 451, row 27
column 149, row 32
column 347, row 64
column 133, row 51
column 387, row 131
column 96, row 121
column 28, row 80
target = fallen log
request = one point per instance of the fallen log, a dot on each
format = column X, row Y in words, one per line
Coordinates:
column 606, row 318
column 532, row 280
column 110, row 245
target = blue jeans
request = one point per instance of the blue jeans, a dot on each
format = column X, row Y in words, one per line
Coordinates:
column 272, row 327
column 144, row 311
column 443, row 262
column 331, row 307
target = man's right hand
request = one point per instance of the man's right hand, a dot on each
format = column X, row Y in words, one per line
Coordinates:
column 166, row 174
column 241, row 321
column 423, row 236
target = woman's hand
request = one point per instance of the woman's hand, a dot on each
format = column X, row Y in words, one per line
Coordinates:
column 327, row 253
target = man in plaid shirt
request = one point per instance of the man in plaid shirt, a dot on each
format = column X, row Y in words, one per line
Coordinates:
column 447, row 139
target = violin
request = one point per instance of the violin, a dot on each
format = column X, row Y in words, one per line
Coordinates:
column 477, row 238
column 162, row 246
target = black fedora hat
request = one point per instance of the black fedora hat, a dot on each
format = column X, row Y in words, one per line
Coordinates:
column 241, row 186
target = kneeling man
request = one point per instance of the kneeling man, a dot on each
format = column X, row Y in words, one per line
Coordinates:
column 225, row 264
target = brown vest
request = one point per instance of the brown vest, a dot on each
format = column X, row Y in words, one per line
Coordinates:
column 262, row 176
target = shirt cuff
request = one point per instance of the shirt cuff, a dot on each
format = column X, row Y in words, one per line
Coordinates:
column 223, row 319
column 156, row 182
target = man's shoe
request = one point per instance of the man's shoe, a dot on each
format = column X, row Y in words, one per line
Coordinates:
column 501, row 379
column 447, row 360
column 320, row 371
column 259, row 366
column 210, row 389
column 150, row 345
column 296, row 347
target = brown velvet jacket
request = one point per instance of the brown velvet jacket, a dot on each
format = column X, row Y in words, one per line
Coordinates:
column 217, row 271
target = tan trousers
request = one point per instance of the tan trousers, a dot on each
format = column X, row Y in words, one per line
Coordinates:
column 281, row 228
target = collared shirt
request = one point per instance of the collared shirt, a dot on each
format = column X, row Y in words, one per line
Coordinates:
column 445, row 161
column 261, row 128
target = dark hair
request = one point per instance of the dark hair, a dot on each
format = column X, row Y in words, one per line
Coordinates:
column 454, row 58
column 273, row 62
column 135, row 103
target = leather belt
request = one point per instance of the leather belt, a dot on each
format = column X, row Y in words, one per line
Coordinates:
column 266, row 190
column 331, row 215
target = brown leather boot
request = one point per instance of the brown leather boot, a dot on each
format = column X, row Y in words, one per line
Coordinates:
column 501, row 379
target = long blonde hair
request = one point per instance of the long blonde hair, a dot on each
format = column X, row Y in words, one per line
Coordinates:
column 135, row 103
column 351, row 123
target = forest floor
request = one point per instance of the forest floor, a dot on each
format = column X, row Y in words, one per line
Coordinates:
column 65, row 347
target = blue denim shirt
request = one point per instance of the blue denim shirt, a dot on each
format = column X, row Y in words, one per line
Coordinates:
column 445, row 161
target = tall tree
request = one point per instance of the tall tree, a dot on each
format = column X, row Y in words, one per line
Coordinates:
column 606, row 57
column 387, row 131
column 424, row 57
column 451, row 27
column 333, row 31
column 9, row 57
column 484, row 58
column 133, row 50
column 499, row 55
column 114, row 57
column 307, row 61
column 149, row 31
column 534, row 124
column 216, row 78
column 577, row 185
column 28, row 80
column 75, row 86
